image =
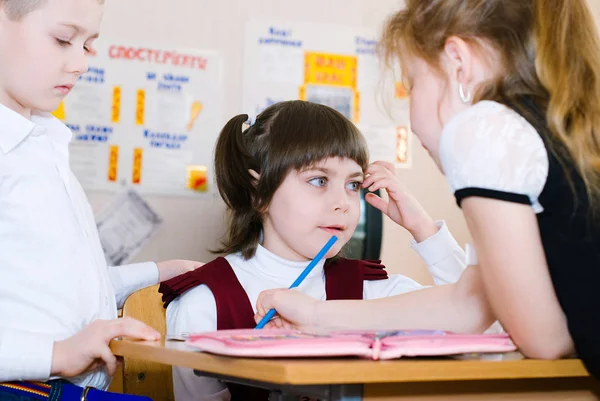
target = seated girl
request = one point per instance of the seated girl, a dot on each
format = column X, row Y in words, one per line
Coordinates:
column 290, row 182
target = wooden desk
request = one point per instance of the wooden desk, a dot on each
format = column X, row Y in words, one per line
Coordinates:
column 405, row 379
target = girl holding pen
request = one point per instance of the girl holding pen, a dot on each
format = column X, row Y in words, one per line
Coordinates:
column 291, row 181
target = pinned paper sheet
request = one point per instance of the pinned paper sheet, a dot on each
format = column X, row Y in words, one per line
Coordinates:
column 330, row 69
column 89, row 102
column 136, row 177
column 60, row 111
column 140, row 107
column 388, row 143
column 196, row 109
column 339, row 98
column 280, row 64
column 401, row 92
column 141, row 114
column 197, row 178
column 330, row 79
column 113, row 163
column 116, row 105
column 125, row 226
column 402, row 145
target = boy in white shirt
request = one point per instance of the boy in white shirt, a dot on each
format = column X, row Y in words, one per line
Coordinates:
column 58, row 298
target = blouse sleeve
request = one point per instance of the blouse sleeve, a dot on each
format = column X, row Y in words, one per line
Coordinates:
column 490, row 151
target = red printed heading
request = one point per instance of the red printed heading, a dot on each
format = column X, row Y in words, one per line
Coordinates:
column 157, row 56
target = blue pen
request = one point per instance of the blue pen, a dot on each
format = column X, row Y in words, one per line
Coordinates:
column 300, row 278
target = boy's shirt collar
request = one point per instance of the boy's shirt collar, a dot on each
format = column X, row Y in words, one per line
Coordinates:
column 14, row 128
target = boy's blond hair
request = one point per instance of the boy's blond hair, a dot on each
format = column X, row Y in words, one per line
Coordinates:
column 16, row 9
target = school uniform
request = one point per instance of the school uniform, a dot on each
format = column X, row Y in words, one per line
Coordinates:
column 53, row 275
column 502, row 152
column 222, row 295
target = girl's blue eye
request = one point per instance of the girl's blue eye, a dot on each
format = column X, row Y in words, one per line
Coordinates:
column 318, row 181
column 354, row 185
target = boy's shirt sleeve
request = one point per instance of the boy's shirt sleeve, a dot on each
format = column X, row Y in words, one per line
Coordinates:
column 127, row 279
column 25, row 355
column 444, row 257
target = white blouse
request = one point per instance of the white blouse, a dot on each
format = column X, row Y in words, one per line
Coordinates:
column 490, row 147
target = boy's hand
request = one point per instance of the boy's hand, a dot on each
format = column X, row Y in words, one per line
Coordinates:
column 401, row 206
column 88, row 349
column 173, row 268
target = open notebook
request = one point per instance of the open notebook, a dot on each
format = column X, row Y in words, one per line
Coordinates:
column 370, row 344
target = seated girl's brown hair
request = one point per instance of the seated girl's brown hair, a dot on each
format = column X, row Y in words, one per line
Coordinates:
column 286, row 136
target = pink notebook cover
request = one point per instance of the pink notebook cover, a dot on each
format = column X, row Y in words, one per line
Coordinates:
column 376, row 345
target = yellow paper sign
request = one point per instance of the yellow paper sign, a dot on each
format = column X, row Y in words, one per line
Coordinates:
column 197, row 178
column 113, row 162
column 140, row 106
column 196, row 109
column 402, row 145
column 302, row 93
column 137, row 166
column 401, row 92
column 356, row 107
column 60, row 111
column 330, row 69
column 116, row 105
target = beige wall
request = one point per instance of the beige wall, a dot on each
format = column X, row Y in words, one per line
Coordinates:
column 595, row 7
column 193, row 226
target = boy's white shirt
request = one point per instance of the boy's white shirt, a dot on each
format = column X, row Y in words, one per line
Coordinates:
column 196, row 311
column 53, row 275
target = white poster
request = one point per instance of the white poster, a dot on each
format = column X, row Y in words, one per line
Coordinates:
column 326, row 64
column 147, row 117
